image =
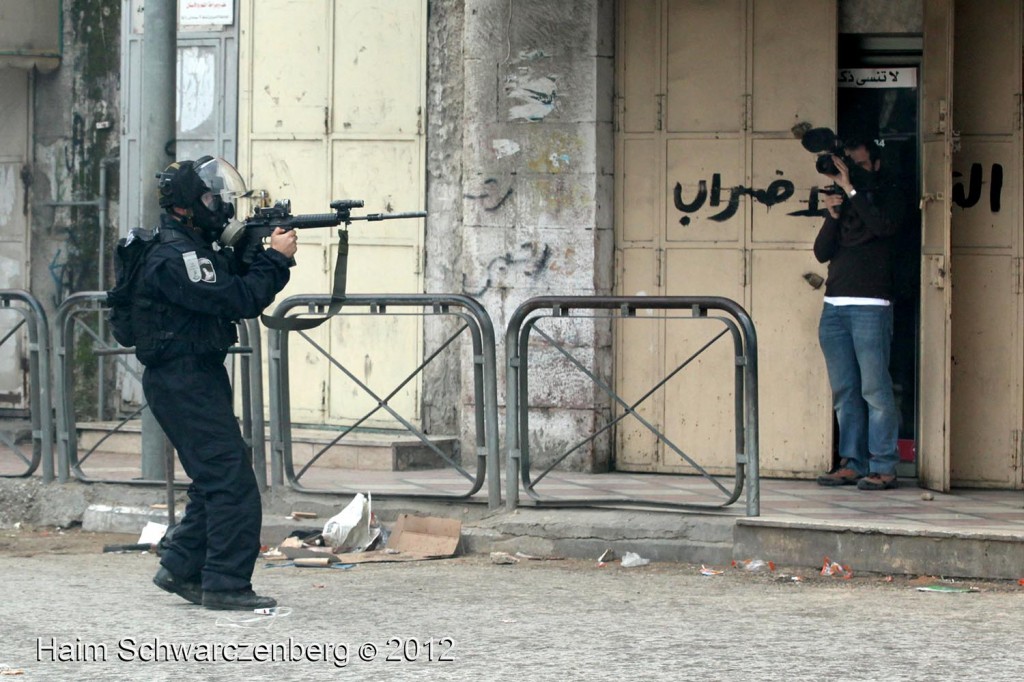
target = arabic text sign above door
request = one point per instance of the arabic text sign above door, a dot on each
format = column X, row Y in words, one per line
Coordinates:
column 206, row 12
column 877, row 78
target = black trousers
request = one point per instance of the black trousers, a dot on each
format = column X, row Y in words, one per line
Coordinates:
column 218, row 540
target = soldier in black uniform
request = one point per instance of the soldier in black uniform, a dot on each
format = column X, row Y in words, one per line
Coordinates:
column 189, row 298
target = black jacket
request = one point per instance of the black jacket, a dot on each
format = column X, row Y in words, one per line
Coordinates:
column 858, row 246
column 194, row 294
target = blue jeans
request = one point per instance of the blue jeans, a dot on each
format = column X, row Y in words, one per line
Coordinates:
column 855, row 340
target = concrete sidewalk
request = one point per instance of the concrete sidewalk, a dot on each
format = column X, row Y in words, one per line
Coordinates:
column 967, row 533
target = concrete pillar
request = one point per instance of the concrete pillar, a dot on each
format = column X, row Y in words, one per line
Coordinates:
column 537, row 191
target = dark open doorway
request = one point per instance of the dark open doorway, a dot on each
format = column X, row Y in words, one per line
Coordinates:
column 878, row 98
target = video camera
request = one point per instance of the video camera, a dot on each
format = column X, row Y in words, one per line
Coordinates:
column 825, row 143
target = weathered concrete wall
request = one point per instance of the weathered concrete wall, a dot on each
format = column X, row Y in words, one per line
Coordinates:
column 76, row 122
column 67, row 119
column 881, row 16
column 538, row 186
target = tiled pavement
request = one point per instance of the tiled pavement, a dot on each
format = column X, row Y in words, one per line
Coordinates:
column 909, row 507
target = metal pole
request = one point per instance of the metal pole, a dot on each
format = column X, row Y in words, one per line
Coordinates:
column 159, row 90
column 512, row 444
column 170, row 486
column 101, row 264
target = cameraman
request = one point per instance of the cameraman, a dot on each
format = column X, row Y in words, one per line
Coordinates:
column 855, row 330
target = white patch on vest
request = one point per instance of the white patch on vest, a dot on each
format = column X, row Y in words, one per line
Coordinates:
column 209, row 274
column 195, row 274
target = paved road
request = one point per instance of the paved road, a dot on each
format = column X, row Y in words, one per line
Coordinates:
column 468, row 619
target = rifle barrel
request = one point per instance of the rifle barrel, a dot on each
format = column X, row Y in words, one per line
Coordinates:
column 390, row 216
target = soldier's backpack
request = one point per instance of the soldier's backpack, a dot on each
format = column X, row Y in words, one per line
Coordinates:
column 129, row 258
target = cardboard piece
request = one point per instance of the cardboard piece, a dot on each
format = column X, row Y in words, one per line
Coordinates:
column 414, row 538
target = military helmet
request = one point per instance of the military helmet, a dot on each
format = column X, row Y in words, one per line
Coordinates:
column 205, row 189
column 180, row 185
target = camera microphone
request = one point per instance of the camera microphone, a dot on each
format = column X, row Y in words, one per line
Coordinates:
column 818, row 140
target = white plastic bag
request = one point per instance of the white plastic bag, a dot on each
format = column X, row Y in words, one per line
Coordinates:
column 349, row 529
column 631, row 559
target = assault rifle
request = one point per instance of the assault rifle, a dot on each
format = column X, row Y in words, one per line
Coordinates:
column 246, row 235
column 265, row 219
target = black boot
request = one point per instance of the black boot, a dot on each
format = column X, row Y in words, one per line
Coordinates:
column 237, row 600
column 188, row 590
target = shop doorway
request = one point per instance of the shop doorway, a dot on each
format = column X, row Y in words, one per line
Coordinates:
column 878, row 98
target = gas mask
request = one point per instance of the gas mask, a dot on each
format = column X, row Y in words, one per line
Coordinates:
column 214, row 211
column 210, row 213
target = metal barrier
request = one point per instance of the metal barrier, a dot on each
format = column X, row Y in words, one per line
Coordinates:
column 67, row 320
column 254, row 430
column 741, row 328
column 40, row 412
column 475, row 319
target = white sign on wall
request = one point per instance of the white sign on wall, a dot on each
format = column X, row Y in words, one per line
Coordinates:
column 206, row 12
column 877, row 78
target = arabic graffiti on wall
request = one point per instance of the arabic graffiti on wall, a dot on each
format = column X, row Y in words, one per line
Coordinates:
column 532, row 262
column 777, row 192
column 492, row 194
column 970, row 197
column 782, row 190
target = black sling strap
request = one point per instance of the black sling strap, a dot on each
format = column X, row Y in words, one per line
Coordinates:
column 337, row 295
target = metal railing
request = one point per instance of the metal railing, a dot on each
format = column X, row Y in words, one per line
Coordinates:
column 40, row 412
column 68, row 321
column 737, row 324
column 69, row 329
column 254, row 432
column 474, row 319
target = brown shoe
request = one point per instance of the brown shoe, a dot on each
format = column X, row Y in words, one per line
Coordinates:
column 877, row 482
column 841, row 475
